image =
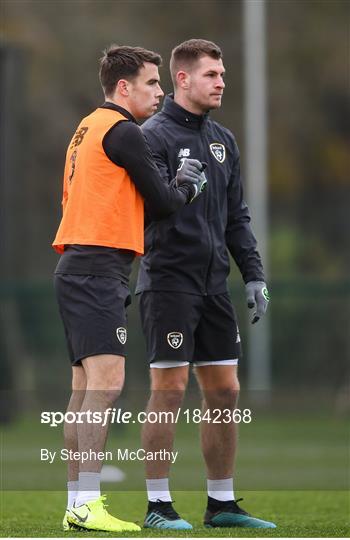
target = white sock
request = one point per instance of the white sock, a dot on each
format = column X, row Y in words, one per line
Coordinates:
column 72, row 487
column 221, row 490
column 89, row 487
column 158, row 489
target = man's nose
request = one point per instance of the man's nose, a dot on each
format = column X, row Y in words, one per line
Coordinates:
column 220, row 83
column 160, row 92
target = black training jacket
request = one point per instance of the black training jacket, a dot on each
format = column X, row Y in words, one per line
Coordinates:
column 189, row 251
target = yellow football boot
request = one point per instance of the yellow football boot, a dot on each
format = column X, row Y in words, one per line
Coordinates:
column 94, row 516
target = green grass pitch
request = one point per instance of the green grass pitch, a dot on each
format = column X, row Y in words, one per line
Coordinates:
column 292, row 469
column 297, row 514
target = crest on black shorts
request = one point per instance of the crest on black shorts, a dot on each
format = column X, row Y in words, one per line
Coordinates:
column 219, row 151
column 121, row 334
column 175, row 339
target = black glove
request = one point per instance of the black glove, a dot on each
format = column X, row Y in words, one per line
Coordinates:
column 257, row 296
column 190, row 173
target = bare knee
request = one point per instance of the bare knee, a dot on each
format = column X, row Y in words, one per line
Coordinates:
column 219, row 385
column 222, row 398
column 168, row 386
column 105, row 375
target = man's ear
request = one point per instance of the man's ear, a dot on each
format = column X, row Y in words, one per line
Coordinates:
column 123, row 87
column 182, row 79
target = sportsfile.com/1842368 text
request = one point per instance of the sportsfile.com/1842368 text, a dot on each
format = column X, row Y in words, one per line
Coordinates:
column 113, row 415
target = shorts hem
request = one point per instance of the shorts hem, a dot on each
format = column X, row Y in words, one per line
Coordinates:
column 77, row 361
column 233, row 361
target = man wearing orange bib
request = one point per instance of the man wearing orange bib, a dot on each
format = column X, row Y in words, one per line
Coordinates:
column 109, row 176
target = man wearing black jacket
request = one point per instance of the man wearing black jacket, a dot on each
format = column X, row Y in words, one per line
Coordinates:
column 186, row 311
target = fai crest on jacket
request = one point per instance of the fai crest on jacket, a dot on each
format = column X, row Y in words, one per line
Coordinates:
column 219, row 151
column 175, row 339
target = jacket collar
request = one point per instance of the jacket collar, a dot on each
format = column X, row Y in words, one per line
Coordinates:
column 181, row 116
column 121, row 110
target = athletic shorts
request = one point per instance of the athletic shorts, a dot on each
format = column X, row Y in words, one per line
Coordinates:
column 93, row 311
column 185, row 327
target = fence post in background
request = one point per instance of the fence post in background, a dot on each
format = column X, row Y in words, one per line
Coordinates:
column 259, row 363
column 16, row 373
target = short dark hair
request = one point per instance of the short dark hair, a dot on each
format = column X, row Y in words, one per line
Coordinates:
column 189, row 52
column 121, row 62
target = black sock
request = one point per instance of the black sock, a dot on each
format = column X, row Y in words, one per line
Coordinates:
column 157, row 504
column 214, row 504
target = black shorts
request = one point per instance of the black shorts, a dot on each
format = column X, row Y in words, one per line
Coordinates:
column 189, row 328
column 93, row 311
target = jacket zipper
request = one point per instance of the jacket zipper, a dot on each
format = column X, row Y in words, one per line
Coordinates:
column 210, row 237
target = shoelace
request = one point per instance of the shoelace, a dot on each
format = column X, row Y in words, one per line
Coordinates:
column 166, row 508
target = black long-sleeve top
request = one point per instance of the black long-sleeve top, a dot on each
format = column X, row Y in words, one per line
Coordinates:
column 126, row 146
